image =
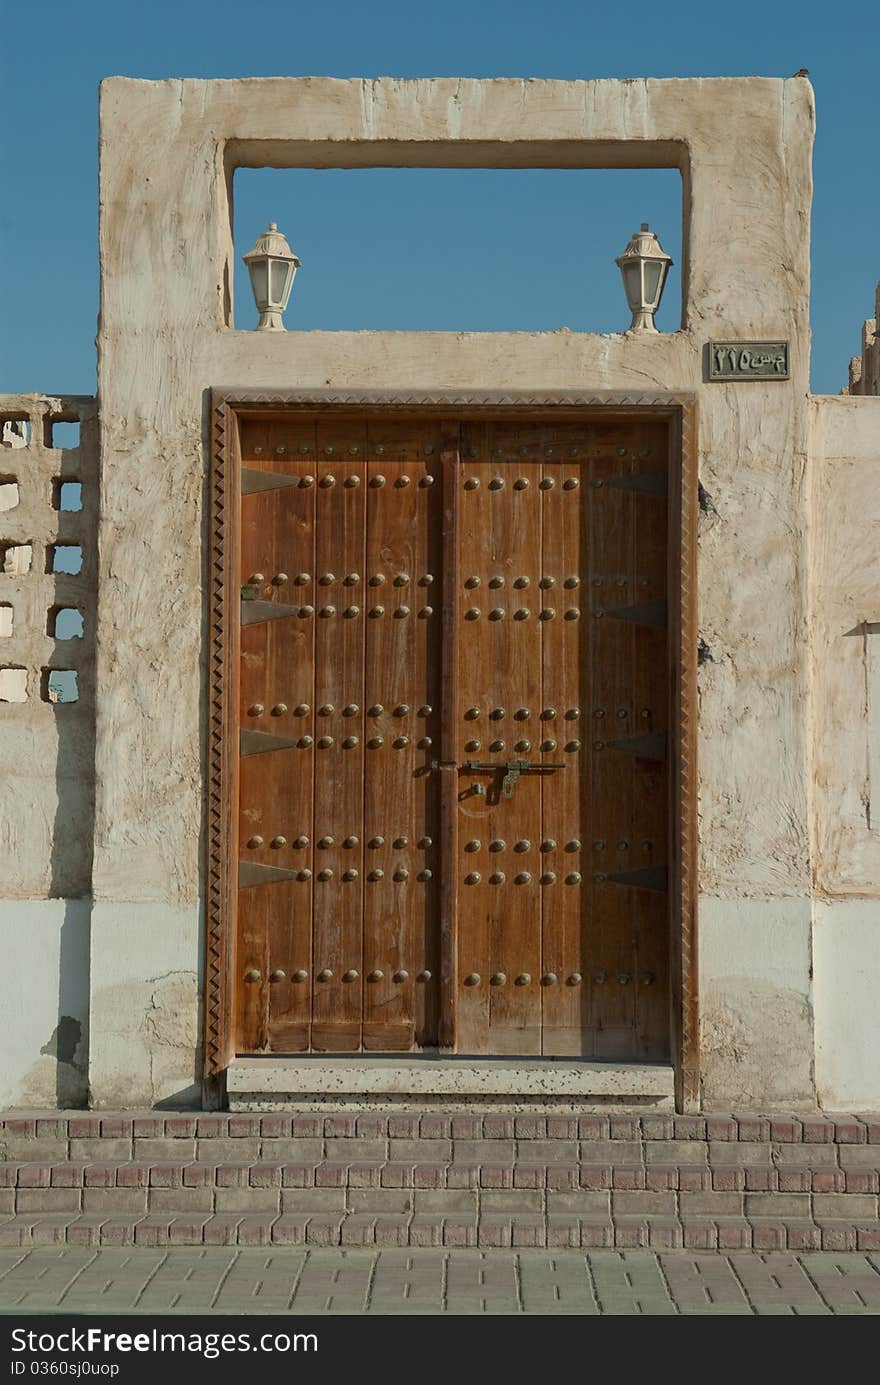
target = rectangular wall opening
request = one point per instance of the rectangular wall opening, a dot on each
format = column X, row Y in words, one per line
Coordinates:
column 15, row 430
column 13, row 684
column 65, row 557
column 9, row 493
column 60, row 685
column 16, row 558
column 66, row 623
column 62, row 433
column 482, row 250
column 67, row 496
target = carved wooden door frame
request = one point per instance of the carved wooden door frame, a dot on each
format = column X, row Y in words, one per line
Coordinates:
column 227, row 407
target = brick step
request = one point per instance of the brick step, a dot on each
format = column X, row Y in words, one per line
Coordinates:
column 801, row 1128
column 458, row 1174
column 456, row 1188
column 565, row 1229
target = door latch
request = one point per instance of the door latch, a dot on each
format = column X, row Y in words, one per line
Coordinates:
column 510, row 772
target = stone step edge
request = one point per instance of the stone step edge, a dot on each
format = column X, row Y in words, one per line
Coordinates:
column 369, row 1230
column 829, row 1128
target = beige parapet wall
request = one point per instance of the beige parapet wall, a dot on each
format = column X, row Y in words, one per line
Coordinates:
column 743, row 146
column 864, row 369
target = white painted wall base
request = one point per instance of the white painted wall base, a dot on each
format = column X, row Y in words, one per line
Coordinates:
column 44, row 1001
column 145, row 1011
column 846, row 950
column 756, row 1003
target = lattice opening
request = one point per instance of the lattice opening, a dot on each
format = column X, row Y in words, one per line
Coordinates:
column 9, row 495
column 65, row 558
column 67, row 496
column 15, row 430
column 62, row 432
column 7, row 620
column 66, row 623
column 60, row 685
column 13, row 684
column 16, row 558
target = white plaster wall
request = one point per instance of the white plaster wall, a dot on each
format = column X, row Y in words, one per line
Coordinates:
column 145, row 1004
column 744, row 148
column 846, row 950
column 846, row 737
column 846, row 651
column 756, row 994
column 45, row 1002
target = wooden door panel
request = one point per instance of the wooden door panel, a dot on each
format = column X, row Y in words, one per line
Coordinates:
column 556, row 892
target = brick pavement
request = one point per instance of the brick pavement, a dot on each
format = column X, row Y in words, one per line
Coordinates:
column 302, row 1280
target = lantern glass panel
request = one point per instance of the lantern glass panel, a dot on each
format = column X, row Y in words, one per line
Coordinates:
column 279, row 271
column 259, row 272
column 653, row 276
column 632, row 283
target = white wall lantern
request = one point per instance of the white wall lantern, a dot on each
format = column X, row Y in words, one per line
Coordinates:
column 272, row 266
column 644, row 266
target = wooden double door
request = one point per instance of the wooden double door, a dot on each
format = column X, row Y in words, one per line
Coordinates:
column 453, row 790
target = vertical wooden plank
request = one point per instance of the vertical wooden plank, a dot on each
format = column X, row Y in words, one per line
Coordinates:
column 651, row 698
column 565, row 495
column 401, row 690
column 447, row 772
column 468, row 868
column 427, row 785
column 339, row 727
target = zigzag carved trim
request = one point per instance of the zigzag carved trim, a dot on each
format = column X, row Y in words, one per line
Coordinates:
column 236, row 398
column 217, row 1026
column 685, row 765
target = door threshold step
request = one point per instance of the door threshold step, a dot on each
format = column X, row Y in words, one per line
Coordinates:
column 503, row 1083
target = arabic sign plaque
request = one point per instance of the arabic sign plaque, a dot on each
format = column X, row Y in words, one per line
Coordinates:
column 748, row 360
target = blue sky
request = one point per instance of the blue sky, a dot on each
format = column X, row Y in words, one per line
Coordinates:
column 412, row 248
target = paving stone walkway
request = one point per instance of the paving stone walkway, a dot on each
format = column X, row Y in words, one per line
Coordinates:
column 233, row 1280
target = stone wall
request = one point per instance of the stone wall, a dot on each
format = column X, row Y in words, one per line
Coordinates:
column 47, row 594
